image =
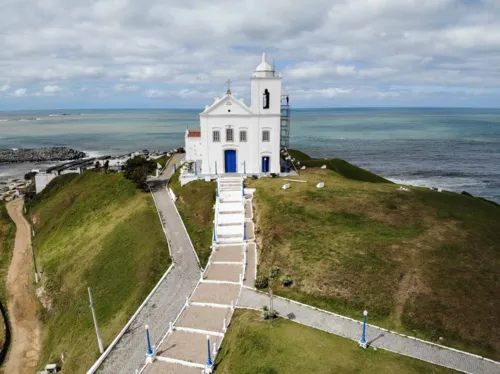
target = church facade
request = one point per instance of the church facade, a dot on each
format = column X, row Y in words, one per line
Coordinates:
column 236, row 138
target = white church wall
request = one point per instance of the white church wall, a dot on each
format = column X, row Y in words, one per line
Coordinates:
column 194, row 149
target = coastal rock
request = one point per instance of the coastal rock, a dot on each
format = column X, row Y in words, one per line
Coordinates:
column 40, row 154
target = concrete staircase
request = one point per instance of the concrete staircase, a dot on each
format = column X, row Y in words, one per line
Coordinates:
column 208, row 311
column 229, row 224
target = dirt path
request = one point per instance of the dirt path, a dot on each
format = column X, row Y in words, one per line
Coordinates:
column 25, row 345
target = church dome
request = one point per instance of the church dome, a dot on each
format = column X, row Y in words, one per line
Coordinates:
column 264, row 70
column 264, row 65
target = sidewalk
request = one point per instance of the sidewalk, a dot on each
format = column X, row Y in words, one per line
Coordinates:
column 376, row 336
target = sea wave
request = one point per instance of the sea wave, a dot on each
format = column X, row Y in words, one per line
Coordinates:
column 453, row 184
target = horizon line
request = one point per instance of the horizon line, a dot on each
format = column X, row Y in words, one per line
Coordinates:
column 292, row 108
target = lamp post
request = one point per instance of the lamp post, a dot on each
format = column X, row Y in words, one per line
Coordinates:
column 97, row 332
column 362, row 341
column 149, row 353
column 209, row 358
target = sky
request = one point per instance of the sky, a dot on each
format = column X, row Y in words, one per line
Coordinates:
column 178, row 54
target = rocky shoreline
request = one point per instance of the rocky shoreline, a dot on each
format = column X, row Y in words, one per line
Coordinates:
column 40, row 154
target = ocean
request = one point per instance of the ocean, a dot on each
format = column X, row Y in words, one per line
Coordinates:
column 454, row 149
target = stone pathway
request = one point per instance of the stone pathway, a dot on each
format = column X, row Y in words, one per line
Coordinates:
column 376, row 337
column 208, row 311
column 169, row 298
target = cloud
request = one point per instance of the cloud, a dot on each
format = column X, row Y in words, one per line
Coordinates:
column 186, row 50
column 4, row 87
column 49, row 89
column 156, row 93
column 126, row 88
column 20, row 92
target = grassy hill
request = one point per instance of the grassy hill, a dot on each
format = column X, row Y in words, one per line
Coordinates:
column 422, row 262
column 253, row 345
column 7, row 234
column 195, row 205
column 93, row 230
column 340, row 167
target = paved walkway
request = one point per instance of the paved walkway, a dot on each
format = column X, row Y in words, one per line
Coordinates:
column 376, row 337
column 168, row 300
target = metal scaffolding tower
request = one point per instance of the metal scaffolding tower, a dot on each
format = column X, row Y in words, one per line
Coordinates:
column 285, row 122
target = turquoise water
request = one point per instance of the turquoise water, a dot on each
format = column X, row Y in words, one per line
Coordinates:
column 456, row 149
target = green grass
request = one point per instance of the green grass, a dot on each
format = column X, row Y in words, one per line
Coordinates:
column 299, row 155
column 339, row 166
column 7, row 235
column 422, row 262
column 253, row 345
column 93, row 230
column 195, row 205
column 162, row 160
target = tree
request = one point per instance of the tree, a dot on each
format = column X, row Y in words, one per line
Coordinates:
column 29, row 176
column 137, row 170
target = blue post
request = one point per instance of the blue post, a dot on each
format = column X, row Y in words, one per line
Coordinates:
column 362, row 341
column 216, row 168
column 243, row 189
column 195, row 169
column 150, row 351
column 175, row 167
column 214, row 236
column 209, row 359
column 245, row 232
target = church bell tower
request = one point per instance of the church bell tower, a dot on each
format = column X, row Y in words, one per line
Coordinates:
column 265, row 89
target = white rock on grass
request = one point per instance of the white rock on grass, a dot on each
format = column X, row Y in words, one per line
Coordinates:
column 320, row 185
column 286, row 186
column 303, row 168
column 323, row 167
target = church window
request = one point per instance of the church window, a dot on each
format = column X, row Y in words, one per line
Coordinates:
column 229, row 135
column 243, row 136
column 265, row 135
column 266, row 99
column 216, row 136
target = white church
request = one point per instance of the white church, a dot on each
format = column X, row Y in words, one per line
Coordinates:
column 236, row 138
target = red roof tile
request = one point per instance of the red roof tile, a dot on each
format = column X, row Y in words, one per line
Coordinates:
column 194, row 133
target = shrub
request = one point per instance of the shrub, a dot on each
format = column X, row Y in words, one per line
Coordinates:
column 286, row 280
column 269, row 314
column 137, row 170
column 261, row 282
column 274, row 272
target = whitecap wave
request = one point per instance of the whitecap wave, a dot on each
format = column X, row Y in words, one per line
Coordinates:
column 453, row 184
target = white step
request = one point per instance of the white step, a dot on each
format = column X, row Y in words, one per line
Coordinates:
column 229, row 230
column 225, row 219
column 229, row 240
column 231, row 207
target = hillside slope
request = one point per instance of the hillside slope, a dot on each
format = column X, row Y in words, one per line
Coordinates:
column 422, row 262
column 93, row 230
column 339, row 166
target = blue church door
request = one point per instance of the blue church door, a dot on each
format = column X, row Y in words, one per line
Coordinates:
column 265, row 164
column 230, row 161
